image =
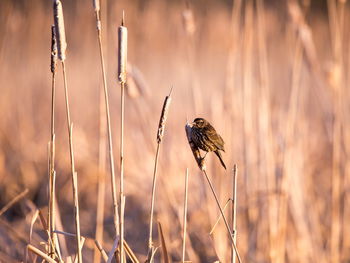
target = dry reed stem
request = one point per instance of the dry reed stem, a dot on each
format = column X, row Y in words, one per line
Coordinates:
column 82, row 241
column 185, row 218
column 122, row 63
column 104, row 113
column 101, row 250
column 60, row 241
column 40, row 253
column 165, row 255
column 121, row 198
column 219, row 217
column 74, row 174
column 234, row 211
column 130, row 253
column 13, row 201
column 32, row 222
column 223, row 216
column 160, row 134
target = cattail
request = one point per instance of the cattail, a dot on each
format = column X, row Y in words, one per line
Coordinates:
column 96, row 4
column 59, row 30
column 195, row 150
column 122, row 51
column 53, row 49
column 163, row 117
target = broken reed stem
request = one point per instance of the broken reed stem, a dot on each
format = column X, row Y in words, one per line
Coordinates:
column 52, row 173
column 160, row 134
column 61, row 47
column 122, row 61
column 185, row 218
column 219, row 217
column 101, row 250
column 234, row 212
column 223, row 216
column 13, row 201
column 40, row 253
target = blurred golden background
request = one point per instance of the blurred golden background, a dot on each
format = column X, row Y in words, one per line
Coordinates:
column 272, row 78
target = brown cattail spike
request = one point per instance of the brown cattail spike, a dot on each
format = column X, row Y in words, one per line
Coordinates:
column 163, row 117
column 53, row 50
column 122, row 51
column 59, row 29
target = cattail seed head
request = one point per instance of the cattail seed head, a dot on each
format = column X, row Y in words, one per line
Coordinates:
column 163, row 117
column 96, row 4
column 59, row 29
column 122, row 52
column 53, row 49
column 195, row 150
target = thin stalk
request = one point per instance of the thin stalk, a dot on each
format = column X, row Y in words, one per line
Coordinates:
column 234, row 213
column 110, row 142
column 101, row 250
column 150, row 240
column 219, row 217
column 40, row 253
column 121, row 201
column 74, row 174
column 102, row 164
column 223, row 216
column 185, row 218
column 13, row 201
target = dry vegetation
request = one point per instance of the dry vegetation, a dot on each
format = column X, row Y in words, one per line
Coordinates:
column 271, row 76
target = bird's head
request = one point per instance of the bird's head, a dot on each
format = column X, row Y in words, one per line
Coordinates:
column 199, row 123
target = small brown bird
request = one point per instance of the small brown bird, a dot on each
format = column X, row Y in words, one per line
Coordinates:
column 205, row 137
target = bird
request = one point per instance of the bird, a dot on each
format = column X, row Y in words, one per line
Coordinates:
column 205, row 137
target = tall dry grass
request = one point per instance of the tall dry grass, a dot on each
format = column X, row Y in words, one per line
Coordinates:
column 271, row 76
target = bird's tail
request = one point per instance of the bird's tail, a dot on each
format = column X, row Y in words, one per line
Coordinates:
column 218, row 154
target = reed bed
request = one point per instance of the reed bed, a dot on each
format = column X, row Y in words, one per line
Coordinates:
column 271, row 76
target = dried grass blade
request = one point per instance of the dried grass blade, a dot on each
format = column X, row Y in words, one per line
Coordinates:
column 165, row 255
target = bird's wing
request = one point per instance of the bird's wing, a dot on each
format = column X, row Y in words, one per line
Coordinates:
column 216, row 139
